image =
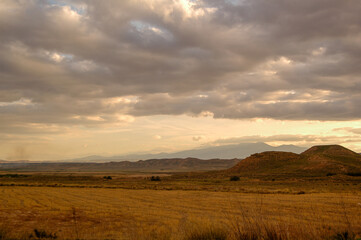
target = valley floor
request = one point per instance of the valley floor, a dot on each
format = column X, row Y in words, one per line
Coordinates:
column 102, row 213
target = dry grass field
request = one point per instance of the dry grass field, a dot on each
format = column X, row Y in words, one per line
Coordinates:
column 102, row 213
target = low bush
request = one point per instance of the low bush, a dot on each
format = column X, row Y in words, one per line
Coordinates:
column 234, row 178
column 3, row 233
column 354, row 174
column 210, row 233
column 330, row 174
column 155, row 178
column 41, row 234
column 345, row 235
column 12, row 175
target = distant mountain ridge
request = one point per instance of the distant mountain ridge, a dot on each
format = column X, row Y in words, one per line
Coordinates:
column 159, row 165
column 231, row 151
column 317, row 159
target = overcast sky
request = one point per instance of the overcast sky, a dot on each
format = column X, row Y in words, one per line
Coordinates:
column 124, row 76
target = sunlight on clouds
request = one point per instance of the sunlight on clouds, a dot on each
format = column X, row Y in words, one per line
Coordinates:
column 20, row 102
column 76, row 7
column 95, row 118
column 157, row 137
column 319, row 51
column 184, row 132
column 206, row 114
column 71, row 13
column 125, row 118
column 269, row 72
column 122, row 100
column 187, row 6
column 147, row 30
column 285, row 61
column 64, row 14
column 89, row 118
column 198, row 138
column 108, row 120
column 291, row 96
column 191, row 9
column 56, row 57
column 280, row 62
column 272, row 67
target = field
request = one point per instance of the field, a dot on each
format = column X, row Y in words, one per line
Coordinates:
column 40, row 206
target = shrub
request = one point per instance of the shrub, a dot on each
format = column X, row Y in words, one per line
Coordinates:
column 354, row 174
column 13, row 175
column 330, row 174
column 3, row 233
column 209, row 233
column 346, row 235
column 108, row 177
column 234, row 178
column 41, row 234
column 155, row 178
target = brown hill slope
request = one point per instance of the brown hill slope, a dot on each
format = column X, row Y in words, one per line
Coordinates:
column 332, row 151
column 317, row 159
column 335, row 158
column 266, row 161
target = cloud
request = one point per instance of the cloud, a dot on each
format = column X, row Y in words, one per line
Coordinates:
column 63, row 62
column 198, row 138
column 300, row 139
column 157, row 137
column 350, row 130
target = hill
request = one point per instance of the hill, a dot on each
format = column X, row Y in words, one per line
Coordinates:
column 229, row 151
column 316, row 160
column 171, row 165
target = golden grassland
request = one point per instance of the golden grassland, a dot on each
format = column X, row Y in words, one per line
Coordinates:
column 104, row 213
column 192, row 181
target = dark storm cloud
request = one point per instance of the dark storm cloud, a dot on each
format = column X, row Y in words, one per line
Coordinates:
column 97, row 62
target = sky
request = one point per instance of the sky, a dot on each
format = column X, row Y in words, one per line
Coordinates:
column 89, row 77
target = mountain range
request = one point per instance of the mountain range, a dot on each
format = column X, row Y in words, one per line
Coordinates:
column 315, row 161
column 230, row 151
column 151, row 165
